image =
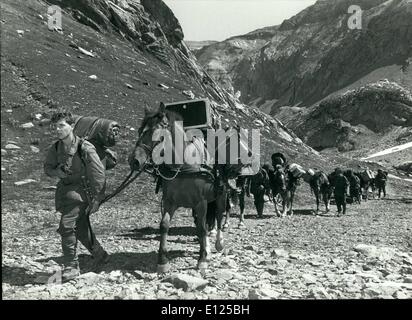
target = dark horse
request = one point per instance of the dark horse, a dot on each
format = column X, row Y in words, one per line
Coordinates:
column 182, row 185
column 320, row 186
column 283, row 185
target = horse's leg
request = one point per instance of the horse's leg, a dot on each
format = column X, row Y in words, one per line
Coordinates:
column 326, row 199
column 201, row 227
column 242, row 210
column 275, row 202
column 167, row 214
column 285, row 203
column 316, row 192
column 220, row 208
column 226, row 224
column 292, row 196
column 211, row 218
column 194, row 216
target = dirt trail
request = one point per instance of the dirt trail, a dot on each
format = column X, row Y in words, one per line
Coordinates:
column 365, row 254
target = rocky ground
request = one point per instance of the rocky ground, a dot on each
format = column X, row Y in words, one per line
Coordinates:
column 365, row 254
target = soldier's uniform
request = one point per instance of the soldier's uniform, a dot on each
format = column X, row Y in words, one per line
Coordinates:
column 340, row 187
column 238, row 193
column 259, row 186
column 71, row 199
column 380, row 181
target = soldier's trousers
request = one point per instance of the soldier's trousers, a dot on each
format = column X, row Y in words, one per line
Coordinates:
column 74, row 226
column 381, row 188
column 341, row 202
column 259, row 201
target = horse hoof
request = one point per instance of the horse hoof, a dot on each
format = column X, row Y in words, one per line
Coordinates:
column 202, row 265
column 241, row 225
column 219, row 246
column 163, row 268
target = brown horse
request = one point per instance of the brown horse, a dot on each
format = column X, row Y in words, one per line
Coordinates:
column 320, row 186
column 283, row 185
column 183, row 186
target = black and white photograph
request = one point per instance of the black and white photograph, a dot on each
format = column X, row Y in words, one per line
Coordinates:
column 211, row 151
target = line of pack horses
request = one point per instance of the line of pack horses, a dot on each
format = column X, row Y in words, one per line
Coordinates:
column 278, row 183
column 205, row 192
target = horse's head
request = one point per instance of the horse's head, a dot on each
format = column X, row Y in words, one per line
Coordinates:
column 161, row 119
column 152, row 121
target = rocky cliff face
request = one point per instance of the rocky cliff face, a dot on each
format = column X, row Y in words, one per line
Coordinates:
column 149, row 25
column 312, row 54
column 374, row 115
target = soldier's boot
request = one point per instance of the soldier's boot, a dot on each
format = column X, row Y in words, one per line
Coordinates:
column 71, row 271
column 71, row 268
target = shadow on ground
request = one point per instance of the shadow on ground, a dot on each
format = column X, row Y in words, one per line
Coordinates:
column 17, row 276
column 147, row 233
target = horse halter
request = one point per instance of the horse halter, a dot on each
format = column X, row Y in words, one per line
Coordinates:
column 154, row 168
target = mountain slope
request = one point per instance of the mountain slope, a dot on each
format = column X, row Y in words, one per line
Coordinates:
column 312, row 54
column 121, row 74
column 368, row 118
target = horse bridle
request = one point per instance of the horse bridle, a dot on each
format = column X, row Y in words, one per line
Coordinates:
column 149, row 163
column 145, row 168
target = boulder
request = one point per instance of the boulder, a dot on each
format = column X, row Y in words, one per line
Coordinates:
column 11, row 146
column 34, row 149
column 148, row 37
column 27, row 125
column 263, row 294
column 370, row 251
column 23, row 182
column 279, row 253
column 187, row 283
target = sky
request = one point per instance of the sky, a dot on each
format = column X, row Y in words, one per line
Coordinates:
column 222, row 19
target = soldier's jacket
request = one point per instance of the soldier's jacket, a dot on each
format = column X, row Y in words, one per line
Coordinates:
column 381, row 178
column 70, row 190
column 341, row 184
column 259, row 180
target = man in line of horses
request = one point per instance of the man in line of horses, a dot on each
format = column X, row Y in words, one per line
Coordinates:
column 380, row 180
column 236, row 194
column 259, row 186
column 75, row 163
column 340, row 185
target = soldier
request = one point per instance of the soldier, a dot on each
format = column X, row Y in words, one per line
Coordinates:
column 78, row 166
column 259, row 186
column 355, row 187
column 340, row 190
column 380, row 181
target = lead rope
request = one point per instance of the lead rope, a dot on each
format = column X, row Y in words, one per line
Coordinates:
column 126, row 182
